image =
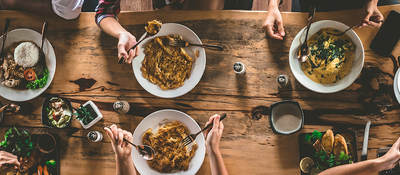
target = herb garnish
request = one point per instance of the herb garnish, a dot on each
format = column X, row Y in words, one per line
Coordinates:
column 17, row 142
column 40, row 82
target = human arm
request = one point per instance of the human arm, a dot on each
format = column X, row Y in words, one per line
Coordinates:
column 388, row 161
column 106, row 19
column 373, row 17
column 213, row 137
column 122, row 150
column 273, row 23
column 7, row 160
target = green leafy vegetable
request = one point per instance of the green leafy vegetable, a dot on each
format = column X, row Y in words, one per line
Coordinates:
column 39, row 82
column 311, row 138
column 51, row 163
column 17, row 142
column 85, row 115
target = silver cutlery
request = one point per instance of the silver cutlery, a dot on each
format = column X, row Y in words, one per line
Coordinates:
column 183, row 43
column 5, row 31
column 145, row 151
column 303, row 49
column 189, row 139
column 146, row 35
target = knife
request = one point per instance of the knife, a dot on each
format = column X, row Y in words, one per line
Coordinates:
column 364, row 152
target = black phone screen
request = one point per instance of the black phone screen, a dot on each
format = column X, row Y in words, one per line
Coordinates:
column 388, row 35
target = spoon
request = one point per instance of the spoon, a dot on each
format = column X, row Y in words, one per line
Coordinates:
column 6, row 25
column 303, row 49
column 145, row 151
column 146, row 35
column 342, row 33
column 44, row 29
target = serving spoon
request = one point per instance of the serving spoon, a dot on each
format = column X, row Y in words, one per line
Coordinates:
column 146, row 35
column 303, row 49
column 145, row 151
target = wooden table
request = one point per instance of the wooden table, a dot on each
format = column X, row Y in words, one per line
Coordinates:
column 87, row 69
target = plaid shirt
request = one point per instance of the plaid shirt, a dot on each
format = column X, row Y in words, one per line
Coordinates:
column 107, row 8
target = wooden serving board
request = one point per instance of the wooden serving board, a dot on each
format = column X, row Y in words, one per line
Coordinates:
column 35, row 132
column 306, row 150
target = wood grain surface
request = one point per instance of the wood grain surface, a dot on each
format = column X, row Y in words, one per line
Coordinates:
column 87, row 69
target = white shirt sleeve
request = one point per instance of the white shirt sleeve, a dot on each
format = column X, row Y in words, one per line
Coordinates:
column 67, row 9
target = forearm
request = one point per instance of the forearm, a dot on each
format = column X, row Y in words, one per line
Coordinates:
column 273, row 4
column 111, row 26
column 217, row 163
column 125, row 167
column 361, row 168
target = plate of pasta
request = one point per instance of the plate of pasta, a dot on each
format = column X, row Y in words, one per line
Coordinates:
column 168, row 71
column 163, row 130
column 333, row 63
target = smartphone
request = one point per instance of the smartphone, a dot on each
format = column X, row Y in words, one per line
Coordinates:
column 395, row 170
column 388, row 35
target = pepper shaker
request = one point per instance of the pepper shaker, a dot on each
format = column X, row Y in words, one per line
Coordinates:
column 239, row 68
column 282, row 80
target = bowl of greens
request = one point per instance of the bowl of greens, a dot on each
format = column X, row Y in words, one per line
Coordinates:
column 56, row 112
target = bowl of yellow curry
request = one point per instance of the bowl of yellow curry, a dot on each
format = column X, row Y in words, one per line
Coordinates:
column 334, row 62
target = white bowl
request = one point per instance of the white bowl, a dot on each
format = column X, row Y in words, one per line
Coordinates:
column 396, row 86
column 152, row 121
column 19, row 35
column 197, row 70
column 295, row 65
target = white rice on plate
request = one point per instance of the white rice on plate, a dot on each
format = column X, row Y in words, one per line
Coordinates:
column 26, row 54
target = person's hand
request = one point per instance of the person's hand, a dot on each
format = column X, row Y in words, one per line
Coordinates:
column 391, row 158
column 7, row 160
column 213, row 135
column 122, row 149
column 274, row 24
column 373, row 16
column 126, row 41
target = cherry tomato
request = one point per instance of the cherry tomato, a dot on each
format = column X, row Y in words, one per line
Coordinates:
column 29, row 74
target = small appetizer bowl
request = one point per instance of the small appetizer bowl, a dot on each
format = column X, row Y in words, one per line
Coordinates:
column 46, row 143
column 286, row 117
column 45, row 118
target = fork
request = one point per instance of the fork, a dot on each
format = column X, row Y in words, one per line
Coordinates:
column 6, row 25
column 189, row 139
column 183, row 43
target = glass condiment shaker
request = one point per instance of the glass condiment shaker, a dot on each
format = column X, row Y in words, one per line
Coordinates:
column 95, row 136
column 121, row 107
column 282, row 80
column 239, row 68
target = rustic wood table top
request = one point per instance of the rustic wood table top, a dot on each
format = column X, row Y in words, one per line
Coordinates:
column 87, row 69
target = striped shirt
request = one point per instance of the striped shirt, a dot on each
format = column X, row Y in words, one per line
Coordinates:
column 107, row 8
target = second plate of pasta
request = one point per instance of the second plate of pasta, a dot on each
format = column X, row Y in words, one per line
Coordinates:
column 163, row 130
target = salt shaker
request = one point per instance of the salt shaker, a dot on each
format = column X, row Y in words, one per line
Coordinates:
column 121, row 107
column 282, row 80
column 239, row 68
column 95, row 136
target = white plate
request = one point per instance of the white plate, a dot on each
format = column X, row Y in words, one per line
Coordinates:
column 346, row 81
column 152, row 121
column 396, row 86
column 398, row 82
column 19, row 35
column 197, row 70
